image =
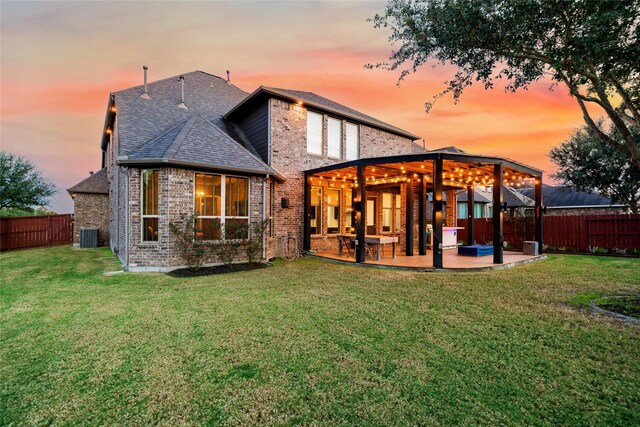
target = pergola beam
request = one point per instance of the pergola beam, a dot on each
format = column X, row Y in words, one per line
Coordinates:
column 409, row 218
column 422, row 216
column 437, row 214
column 360, row 207
column 538, row 213
column 470, row 214
column 498, row 255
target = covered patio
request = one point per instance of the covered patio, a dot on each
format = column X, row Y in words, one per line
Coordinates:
column 375, row 210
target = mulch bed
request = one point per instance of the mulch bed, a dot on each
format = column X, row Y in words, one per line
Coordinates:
column 218, row 269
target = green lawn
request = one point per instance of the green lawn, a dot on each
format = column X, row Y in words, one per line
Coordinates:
column 311, row 342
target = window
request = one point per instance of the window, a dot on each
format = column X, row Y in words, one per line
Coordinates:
column 150, row 205
column 398, row 212
column 349, row 209
column 352, row 141
column 333, row 211
column 223, row 212
column 314, row 133
column 478, row 210
column 334, row 138
column 387, row 211
column 315, row 220
column 462, row 210
column 236, row 215
column 371, row 216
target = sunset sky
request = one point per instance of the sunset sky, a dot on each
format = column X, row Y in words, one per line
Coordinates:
column 60, row 61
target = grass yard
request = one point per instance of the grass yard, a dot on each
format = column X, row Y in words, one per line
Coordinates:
column 311, row 342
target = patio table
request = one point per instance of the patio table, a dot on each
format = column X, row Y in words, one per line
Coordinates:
column 378, row 240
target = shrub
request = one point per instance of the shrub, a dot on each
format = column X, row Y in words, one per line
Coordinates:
column 226, row 250
column 593, row 249
column 620, row 251
column 193, row 250
column 562, row 248
column 254, row 244
column 601, row 251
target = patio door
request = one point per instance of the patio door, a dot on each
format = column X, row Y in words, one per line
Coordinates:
column 371, row 216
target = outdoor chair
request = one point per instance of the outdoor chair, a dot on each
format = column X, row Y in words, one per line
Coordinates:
column 370, row 250
column 345, row 243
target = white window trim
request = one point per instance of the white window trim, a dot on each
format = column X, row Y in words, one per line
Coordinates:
column 340, row 137
column 223, row 202
column 321, row 153
column 346, row 141
column 142, row 215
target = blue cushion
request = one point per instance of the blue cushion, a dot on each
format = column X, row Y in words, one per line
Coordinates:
column 475, row 250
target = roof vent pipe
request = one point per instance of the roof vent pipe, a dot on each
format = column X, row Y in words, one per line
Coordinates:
column 228, row 77
column 145, row 94
column 181, row 105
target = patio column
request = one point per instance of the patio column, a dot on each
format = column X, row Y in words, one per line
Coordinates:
column 409, row 217
column 360, row 207
column 306, row 238
column 470, row 215
column 422, row 216
column 498, row 171
column 538, row 212
column 437, row 213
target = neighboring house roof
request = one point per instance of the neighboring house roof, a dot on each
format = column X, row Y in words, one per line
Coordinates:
column 478, row 196
column 513, row 198
column 312, row 100
column 96, row 183
column 190, row 143
column 568, row 197
column 449, row 149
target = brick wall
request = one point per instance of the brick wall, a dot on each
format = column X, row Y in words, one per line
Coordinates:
column 175, row 198
column 451, row 213
column 91, row 210
column 288, row 139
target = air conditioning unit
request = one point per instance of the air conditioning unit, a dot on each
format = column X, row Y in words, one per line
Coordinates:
column 89, row 237
column 530, row 248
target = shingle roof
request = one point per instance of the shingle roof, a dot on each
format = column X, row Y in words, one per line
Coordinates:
column 568, row 196
column 191, row 141
column 311, row 99
column 96, row 183
column 156, row 129
column 513, row 198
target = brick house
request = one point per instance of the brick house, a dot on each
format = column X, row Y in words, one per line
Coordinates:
column 91, row 202
column 307, row 166
column 197, row 143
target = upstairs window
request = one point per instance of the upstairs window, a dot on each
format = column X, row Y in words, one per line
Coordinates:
column 314, row 133
column 150, row 205
column 334, row 138
column 353, row 141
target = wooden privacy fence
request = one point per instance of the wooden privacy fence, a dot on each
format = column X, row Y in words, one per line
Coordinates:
column 574, row 232
column 31, row 231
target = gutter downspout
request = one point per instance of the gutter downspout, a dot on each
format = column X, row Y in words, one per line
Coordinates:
column 128, row 216
column 264, row 216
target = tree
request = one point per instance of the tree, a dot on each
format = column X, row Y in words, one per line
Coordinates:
column 592, row 47
column 21, row 184
column 583, row 162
